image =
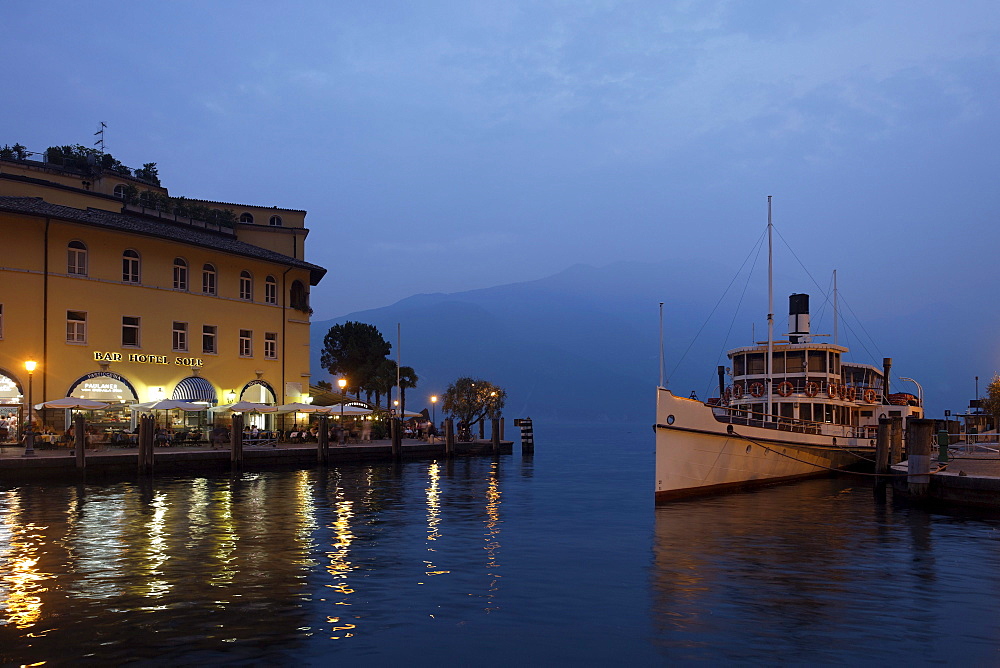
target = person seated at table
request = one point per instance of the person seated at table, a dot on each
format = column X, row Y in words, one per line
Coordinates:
column 220, row 436
column 254, row 432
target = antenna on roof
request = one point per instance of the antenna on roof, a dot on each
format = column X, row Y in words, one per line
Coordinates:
column 100, row 133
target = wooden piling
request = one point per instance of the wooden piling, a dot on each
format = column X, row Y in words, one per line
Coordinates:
column 495, row 435
column 397, row 438
column 145, row 445
column 918, row 446
column 80, row 432
column 896, row 441
column 323, row 441
column 449, row 437
column 502, row 425
column 236, row 442
column 882, row 446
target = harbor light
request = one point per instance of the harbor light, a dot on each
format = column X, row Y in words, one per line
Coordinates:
column 29, row 435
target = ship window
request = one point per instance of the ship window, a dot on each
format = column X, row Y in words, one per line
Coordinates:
column 866, row 414
column 778, row 363
column 805, row 412
column 817, row 361
column 794, row 362
column 755, row 363
column 835, row 360
column 739, row 365
column 786, row 410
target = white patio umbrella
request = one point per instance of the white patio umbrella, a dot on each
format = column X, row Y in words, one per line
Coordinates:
column 167, row 405
column 71, row 403
column 301, row 408
column 347, row 410
column 245, row 407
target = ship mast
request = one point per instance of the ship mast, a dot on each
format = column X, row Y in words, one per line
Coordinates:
column 770, row 311
column 836, row 311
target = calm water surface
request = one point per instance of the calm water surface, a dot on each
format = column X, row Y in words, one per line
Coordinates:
column 560, row 558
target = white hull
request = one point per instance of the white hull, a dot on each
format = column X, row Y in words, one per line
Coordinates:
column 698, row 454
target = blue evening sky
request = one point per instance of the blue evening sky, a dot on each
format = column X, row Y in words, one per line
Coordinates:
column 442, row 146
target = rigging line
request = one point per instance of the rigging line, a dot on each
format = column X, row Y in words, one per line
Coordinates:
column 862, row 326
column 758, row 246
column 723, row 296
column 830, row 468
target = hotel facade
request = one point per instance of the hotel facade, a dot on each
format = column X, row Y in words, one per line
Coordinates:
column 126, row 304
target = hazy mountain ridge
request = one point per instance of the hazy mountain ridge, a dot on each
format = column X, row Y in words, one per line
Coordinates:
column 582, row 343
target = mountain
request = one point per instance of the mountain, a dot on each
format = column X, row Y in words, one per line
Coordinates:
column 582, row 344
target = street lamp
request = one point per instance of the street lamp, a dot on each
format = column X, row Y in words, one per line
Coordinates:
column 920, row 390
column 29, row 435
column 434, row 401
column 342, row 383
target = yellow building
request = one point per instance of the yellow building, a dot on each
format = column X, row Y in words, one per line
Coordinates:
column 126, row 304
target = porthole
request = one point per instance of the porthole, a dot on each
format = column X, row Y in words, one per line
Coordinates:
column 749, row 448
column 670, row 419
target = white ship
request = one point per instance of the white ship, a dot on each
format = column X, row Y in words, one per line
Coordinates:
column 788, row 409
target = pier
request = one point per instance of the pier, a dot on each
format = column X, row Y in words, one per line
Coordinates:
column 63, row 462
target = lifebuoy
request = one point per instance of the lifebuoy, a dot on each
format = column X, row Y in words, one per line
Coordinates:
column 850, row 394
column 832, row 390
column 756, row 389
column 870, row 396
column 737, row 390
column 812, row 389
column 785, row 388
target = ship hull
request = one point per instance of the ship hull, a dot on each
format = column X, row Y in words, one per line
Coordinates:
column 698, row 454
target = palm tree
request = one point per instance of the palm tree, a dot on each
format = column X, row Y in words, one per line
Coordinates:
column 407, row 379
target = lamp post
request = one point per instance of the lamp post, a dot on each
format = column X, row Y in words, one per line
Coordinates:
column 920, row 390
column 29, row 435
column 434, row 401
column 343, row 384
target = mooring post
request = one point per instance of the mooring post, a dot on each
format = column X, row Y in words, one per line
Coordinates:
column 896, row 441
column 449, row 437
column 145, row 444
column 397, row 437
column 236, row 442
column 323, row 441
column 80, row 431
column 495, row 435
column 882, row 446
column 502, row 425
column 527, row 436
column 918, row 446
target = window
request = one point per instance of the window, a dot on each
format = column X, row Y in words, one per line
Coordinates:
column 180, row 337
column 77, row 262
column 246, row 218
column 120, row 191
column 208, row 279
column 817, row 361
column 271, row 345
column 76, row 327
column 246, row 286
column 130, row 266
column 270, row 290
column 246, row 343
column 299, row 296
column 755, row 363
column 180, row 274
column 275, row 221
column 130, row 331
column 208, row 337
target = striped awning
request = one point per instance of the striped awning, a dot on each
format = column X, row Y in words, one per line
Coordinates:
column 194, row 388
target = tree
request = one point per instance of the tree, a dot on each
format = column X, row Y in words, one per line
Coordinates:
column 382, row 380
column 407, row 379
column 354, row 350
column 990, row 404
column 471, row 400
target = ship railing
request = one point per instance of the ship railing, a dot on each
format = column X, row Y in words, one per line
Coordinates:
column 742, row 416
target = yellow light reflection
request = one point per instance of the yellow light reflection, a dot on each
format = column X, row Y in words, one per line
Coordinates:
column 492, row 546
column 21, row 583
column 340, row 565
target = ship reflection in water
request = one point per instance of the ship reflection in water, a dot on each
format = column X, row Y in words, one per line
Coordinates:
column 819, row 572
column 249, row 568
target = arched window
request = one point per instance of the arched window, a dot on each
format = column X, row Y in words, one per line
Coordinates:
column 208, row 279
column 77, row 264
column 275, row 221
column 246, row 286
column 246, row 218
column 130, row 266
column 299, row 297
column 120, row 190
column 270, row 290
column 180, row 274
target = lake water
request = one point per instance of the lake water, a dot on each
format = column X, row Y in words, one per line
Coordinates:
column 560, row 558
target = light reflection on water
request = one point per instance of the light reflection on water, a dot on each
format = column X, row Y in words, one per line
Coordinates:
column 560, row 558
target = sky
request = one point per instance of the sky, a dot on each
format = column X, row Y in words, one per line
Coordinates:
column 442, row 146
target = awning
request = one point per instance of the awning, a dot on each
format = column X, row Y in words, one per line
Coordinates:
column 194, row 388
